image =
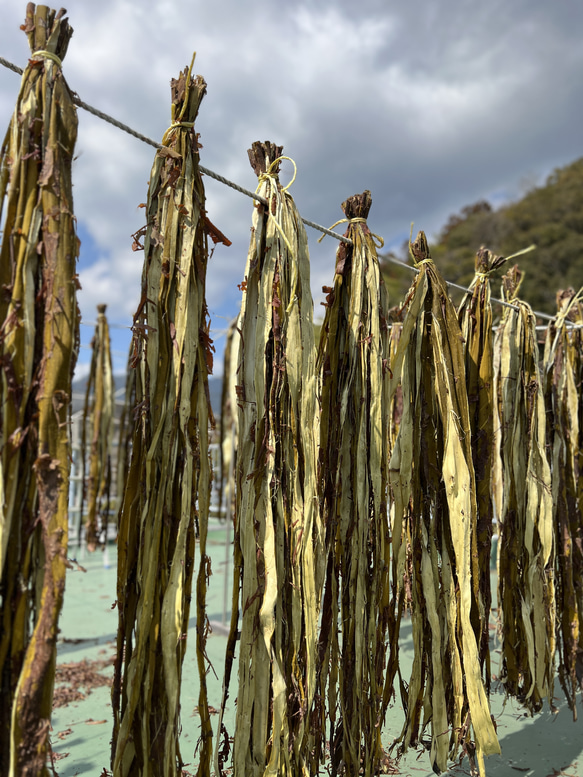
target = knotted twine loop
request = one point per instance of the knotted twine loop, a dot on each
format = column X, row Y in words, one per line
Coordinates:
column 268, row 175
column 173, row 126
column 44, row 54
column 377, row 239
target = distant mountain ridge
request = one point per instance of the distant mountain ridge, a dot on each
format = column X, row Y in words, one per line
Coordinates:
column 550, row 216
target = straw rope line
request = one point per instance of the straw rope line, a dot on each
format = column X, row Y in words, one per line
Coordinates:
column 10, row 66
column 502, row 302
column 221, row 179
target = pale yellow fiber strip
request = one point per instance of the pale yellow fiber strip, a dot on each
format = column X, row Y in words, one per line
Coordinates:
column 47, row 55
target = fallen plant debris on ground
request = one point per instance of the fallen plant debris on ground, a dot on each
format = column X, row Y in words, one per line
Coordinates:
column 74, row 681
column 560, row 772
column 58, row 756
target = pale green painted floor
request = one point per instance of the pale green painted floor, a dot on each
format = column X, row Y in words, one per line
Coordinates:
column 544, row 746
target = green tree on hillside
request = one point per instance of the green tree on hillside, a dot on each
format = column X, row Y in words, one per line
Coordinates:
column 550, row 216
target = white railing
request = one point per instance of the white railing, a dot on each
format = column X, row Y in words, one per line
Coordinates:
column 218, row 521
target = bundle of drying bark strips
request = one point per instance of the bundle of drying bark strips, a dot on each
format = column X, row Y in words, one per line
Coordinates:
column 525, row 572
column 98, row 413
column 277, row 530
column 167, row 491
column 433, row 486
column 475, row 317
column 563, row 364
column 38, row 346
column 228, row 422
column 353, row 483
column 126, row 425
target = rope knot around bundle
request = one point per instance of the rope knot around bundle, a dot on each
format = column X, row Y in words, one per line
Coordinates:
column 176, row 124
column 173, row 126
column 272, row 173
column 44, row 54
column 378, row 240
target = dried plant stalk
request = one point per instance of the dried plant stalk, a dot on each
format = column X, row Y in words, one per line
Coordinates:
column 475, row 317
column 229, row 431
column 353, row 479
column 38, row 346
column 525, row 574
column 126, row 426
column 563, row 365
column 98, row 414
column 168, row 484
column 228, row 425
column 277, row 523
column 396, row 316
column 433, row 486
column 228, row 442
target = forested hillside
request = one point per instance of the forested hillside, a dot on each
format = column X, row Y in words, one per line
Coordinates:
column 551, row 216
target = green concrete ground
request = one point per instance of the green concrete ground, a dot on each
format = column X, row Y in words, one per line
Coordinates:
column 544, row 746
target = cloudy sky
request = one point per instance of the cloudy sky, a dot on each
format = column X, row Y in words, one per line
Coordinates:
column 430, row 105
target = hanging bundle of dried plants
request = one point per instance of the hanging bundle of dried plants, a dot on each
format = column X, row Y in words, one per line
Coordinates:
column 167, row 493
column 228, row 423
column 229, row 444
column 396, row 316
column 277, row 526
column 38, row 346
column 98, row 414
column 433, row 487
column 353, row 481
column 475, row 317
column 126, row 425
column 525, row 573
column 563, row 365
